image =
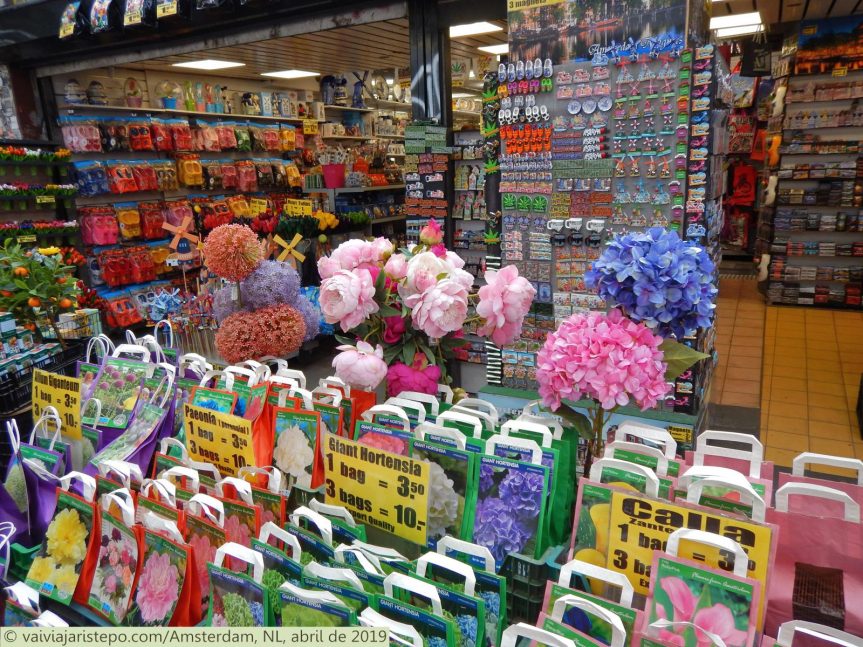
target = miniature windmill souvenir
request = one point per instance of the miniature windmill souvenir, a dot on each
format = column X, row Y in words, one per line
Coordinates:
column 184, row 244
column 289, row 250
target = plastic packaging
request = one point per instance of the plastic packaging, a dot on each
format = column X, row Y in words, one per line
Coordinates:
column 189, row 170
column 166, row 174
column 115, row 134
column 98, row 225
column 205, row 137
column 129, row 219
column 140, row 135
column 247, row 179
column 120, row 177
column 81, row 134
column 229, row 175
column 225, row 133
column 91, row 178
column 244, row 142
column 178, row 210
column 264, row 172
column 145, row 176
column 212, row 174
column 152, row 219
column 181, row 134
column 161, row 133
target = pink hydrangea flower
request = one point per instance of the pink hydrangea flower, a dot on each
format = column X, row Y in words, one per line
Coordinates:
column 236, row 531
column 204, row 552
column 440, row 309
column 347, row 298
column 431, row 234
column 503, row 303
column 602, row 356
column 158, row 588
column 362, row 367
column 420, row 377
column 382, row 441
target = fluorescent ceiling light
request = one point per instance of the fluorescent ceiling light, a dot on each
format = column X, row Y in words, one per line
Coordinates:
column 471, row 75
column 472, row 29
column 495, row 49
column 209, row 64
column 736, row 20
column 290, row 74
column 738, row 31
column 463, row 95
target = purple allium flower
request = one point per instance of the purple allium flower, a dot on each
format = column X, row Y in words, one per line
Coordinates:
column 522, row 494
column 496, row 528
column 486, row 478
column 311, row 315
column 223, row 304
column 271, row 282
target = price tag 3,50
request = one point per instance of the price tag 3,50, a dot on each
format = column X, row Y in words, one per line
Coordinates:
column 64, row 394
column 219, row 438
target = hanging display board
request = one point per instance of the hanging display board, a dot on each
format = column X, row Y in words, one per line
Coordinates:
column 64, row 394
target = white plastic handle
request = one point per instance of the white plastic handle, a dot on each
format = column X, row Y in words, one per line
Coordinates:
column 166, row 443
column 533, row 408
column 141, row 352
column 463, row 418
column 319, row 521
column 540, row 636
column 747, row 495
column 852, row 508
column 754, row 455
column 209, row 507
column 798, row 465
column 96, row 343
column 271, row 529
column 388, row 410
column 545, row 420
column 14, row 435
column 399, row 632
column 308, row 401
column 741, row 561
column 334, row 574
column 209, row 375
column 644, row 450
column 311, row 596
column 593, row 572
column 429, row 400
column 298, row 376
column 369, row 563
column 336, row 382
column 242, row 488
column 785, row 635
column 274, row 476
column 49, row 414
column 380, row 551
column 409, row 405
column 475, row 404
column 48, row 619
column 129, row 473
column 485, row 418
column 262, row 371
column 499, row 440
column 467, row 548
column 24, row 595
column 151, row 521
column 450, row 564
column 321, row 393
column 269, row 360
column 662, row 623
column 167, row 324
column 124, row 501
column 167, row 491
column 193, row 480
column 618, row 632
column 446, row 392
column 284, row 381
column 650, row 433
column 206, row 469
column 525, row 427
column 251, row 375
column 336, row 511
column 425, row 428
column 711, row 472
column 88, row 484
column 240, row 552
column 86, row 405
column 651, row 487
column 413, row 585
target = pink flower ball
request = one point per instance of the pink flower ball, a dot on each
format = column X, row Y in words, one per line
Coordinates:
column 276, row 330
column 440, row 309
column 232, row 252
column 503, row 303
column 347, row 298
column 362, row 367
column 401, row 377
column 390, row 444
column 396, row 267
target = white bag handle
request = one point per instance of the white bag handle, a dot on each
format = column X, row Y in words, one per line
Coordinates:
column 455, row 435
column 741, row 561
column 413, row 585
column 48, row 619
column 262, row 371
column 644, row 450
column 747, row 495
column 209, row 375
column 269, row 360
column 132, row 349
column 308, row 402
column 388, row 410
column 430, row 400
column 130, row 337
column 204, row 468
column 85, row 405
column 521, row 443
column 545, row 420
column 482, row 416
column 292, row 374
column 150, row 343
column 852, row 508
column 399, row 632
column 651, row 487
column 195, row 363
column 336, row 511
column 242, row 487
column 650, row 433
column 167, row 491
column 665, row 624
column 540, row 636
column 590, row 571
column 450, row 564
column 369, row 563
column 88, row 484
column 151, row 521
column 461, row 546
column 251, row 375
column 166, row 443
column 334, row 574
column 24, row 595
column 240, row 552
column 271, row 529
column 209, row 507
column 336, row 382
column 711, row 472
column 324, row 392
column 409, row 405
column 311, row 596
column 380, row 551
column 97, row 343
column 798, row 465
column 785, row 635
column 446, row 392
column 14, row 435
column 124, row 501
column 526, row 427
column 319, row 521
column 51, row 414
column 129, row 473
column 193, row 480
column 464, row 418
column 618, row 632
column 533, row 408
column 6, row 530
column 285, row 381
column 476, row 404
column 274, row 476
column 754, row 455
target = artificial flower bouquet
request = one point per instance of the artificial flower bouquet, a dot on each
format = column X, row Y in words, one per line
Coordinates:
column 407, row 309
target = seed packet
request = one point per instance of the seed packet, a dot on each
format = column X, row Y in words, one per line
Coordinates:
column 310, row 608
column 434, row 628
column 238, row 599
column 214, row 399
column 118, row 386
column 282, row 556
column 297, row 444
column 341, row 582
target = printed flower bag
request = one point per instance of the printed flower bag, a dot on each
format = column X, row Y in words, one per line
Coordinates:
column 205, row 532
column 238, row 599
column 517, row 633
column 573, row 617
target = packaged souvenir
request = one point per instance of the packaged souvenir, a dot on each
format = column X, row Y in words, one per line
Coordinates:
column 212, row 170
column 189, row 170
column 264, row 174
column 140, row 135
column 225, row 133
column 241, row 134
column 114, row 132
column 98, row 225
column 129, row 220
column 81, row 134
column 295, row 178
column 256, row 132
column 181, row 134
column 104, row 15
column 205, row 137
column 139, row 13
column 280, row 175
column 229, row 175
column 176, row 211
column 120, row 177
column 91, row 178
column 71, row 22
column 287, row 137
column 145, row 176
column 161, row 134
column 152, row 219
column 247, row 178
column 166, row 175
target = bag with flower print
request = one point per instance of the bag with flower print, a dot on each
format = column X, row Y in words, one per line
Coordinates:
column 354, row 402
column 269, row 498
column 242, row 516
column 591, row 617
column 205, row 532
column 21, row 606
column 238, row 599
column 297, row 451
column 168, row 591
column 345, row 529
column 117, row 475
column 159, row 498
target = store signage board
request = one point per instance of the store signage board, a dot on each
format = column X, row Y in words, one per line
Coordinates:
column 64, row 394
column 381, row 489
column 299, row 207
column 165, row 9
column 310, row 126
column 219, row 438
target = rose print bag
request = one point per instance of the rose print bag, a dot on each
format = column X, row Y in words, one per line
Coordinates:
column 242, row 516
column 205, row 532
column 269, row 498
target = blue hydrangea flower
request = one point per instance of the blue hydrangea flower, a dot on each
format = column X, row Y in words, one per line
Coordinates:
column 468, row 626
column 658, row 279
column 498, row 529
column 522, row 494
column 437, row 641
column 257, row 613
column 492, row 602
column 486, row 478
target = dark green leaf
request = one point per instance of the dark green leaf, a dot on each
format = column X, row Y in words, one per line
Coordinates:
column 577, row 420
column 389, row 311
column 678, row 357
column 429, row 353
column 408, row 351
column 390, row 353
column 380, row 287
column 345, row 340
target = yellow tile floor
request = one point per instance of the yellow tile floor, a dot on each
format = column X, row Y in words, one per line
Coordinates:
column 802, row 366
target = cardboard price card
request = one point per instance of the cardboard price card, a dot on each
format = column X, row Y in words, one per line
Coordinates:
column 310, row 126
column 64, row 394
column 380, row 489
column 218, row 438
column 299, row 207
column 165, row 9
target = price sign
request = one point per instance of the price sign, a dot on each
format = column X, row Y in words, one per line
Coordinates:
column 384, row 490
column 131, row 18
column 840, row 71
column 45, row 199
column 22, row 240
column 299, row 207
column 165, row 9
column 257, row 206
column 310, row 126
column 219, row 438
column 64, row 394
column 67, row 29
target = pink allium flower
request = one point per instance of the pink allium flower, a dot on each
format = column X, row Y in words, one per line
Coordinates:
column 348, row 298
column 394, row 329
column 397, row 267
column 431, row 234
column 439, row 310
column 601, row 356
column 718, row 620
column 110, row 584
column 362, row 367
column 390, row 444
column 232, row 251
column 420, row 377
column 158, row 588
column 682, row 599
column 503, row 303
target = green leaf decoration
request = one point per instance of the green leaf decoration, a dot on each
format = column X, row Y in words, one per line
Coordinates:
column 579, row 421
column 679, row 357
column 389, row 311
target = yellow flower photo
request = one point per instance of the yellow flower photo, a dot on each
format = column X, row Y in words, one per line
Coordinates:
column 65, row 579
column 67, row 538
column 42, row 569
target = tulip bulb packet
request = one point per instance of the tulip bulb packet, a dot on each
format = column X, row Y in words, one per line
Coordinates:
column 696, row 599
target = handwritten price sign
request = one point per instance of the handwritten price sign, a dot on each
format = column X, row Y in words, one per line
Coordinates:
column 219, row 438
column 64, row 394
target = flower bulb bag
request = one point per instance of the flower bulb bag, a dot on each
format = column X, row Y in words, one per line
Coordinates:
column 238, row 599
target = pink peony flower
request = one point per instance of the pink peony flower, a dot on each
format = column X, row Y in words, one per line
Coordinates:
column 236, row 531
column 353, row 254
column 455, row 260
column 327, row 266
column 422, row 272
column 718, row 620
column 601, row 356
column 394, row 328
column 383, row 249
column 347, row 298
column 420, row 377
column 682, row 599
column 110, row 584
column 439, row 310
column 387, row 443
column 431, row 234
column 397, row 267
column 158, row 588
column 362, row 367
column 503, row 303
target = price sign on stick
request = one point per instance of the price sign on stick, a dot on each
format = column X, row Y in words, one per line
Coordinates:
column 384, row 490
column 64, row 394
column 219, row 438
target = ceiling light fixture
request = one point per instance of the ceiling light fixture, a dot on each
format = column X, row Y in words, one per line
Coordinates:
column 290, row 74
column 208, row 64
column 473, row 29
column 736, row 20
column 463, row 95
column 739, row 31
column 503, row 48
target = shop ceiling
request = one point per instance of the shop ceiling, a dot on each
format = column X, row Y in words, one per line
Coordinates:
column 783, row 11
